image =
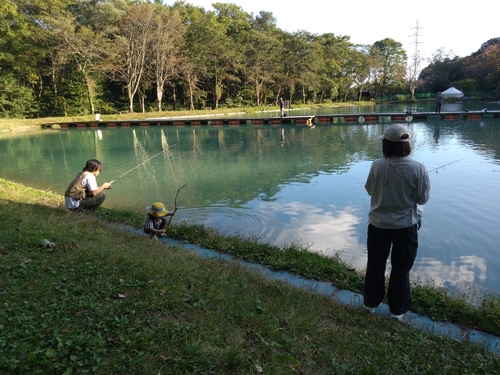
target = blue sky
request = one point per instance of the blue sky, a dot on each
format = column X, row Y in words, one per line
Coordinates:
column 442, row 24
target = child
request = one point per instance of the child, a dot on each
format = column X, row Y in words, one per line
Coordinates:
column 155, row 221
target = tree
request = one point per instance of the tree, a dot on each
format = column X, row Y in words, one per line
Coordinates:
column 443, row 69
column 390, row 65
column 57, row 62
column 484, row 65
column 491, row 62
column 334, row 54
column 361, row 63
column 265, row 21
column 84, row 46
column 166, row 40
column 15, row 100
column 193, row 68
column 22, row 57
column 260, row 62
column 300, row 63
column 232, row 36
column 133, row 47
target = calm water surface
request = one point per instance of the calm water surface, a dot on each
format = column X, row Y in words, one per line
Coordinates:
column 290, row 184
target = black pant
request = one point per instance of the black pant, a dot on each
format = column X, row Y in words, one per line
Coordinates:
column 438, row 107
column 91, row 204
column 404, row 243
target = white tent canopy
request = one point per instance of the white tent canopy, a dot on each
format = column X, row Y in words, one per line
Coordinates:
column 452, row 93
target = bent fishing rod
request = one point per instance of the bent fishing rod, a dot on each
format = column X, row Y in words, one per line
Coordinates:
column 145, row 161
column 175, row 202
column 445, row 165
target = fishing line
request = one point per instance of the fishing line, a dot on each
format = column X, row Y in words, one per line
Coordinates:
column 444, row 165
column 137, row 166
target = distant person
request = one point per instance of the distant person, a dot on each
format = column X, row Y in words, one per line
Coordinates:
column 397, row 186
column 282, row 107
column 439, row 100
column 83, row 194
column 155, row 221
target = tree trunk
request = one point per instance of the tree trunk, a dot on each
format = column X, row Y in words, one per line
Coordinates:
column 54, row 87
column 217, row 93
column 257, row 93
column 142, row 95
column 89, row 93
column 174, row 97
column 360, row 93
column 130, row 99
column 159, row 96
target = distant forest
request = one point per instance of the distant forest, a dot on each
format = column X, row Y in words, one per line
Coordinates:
column 79, row 57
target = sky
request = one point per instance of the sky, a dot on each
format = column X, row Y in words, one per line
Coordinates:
column 457, row 29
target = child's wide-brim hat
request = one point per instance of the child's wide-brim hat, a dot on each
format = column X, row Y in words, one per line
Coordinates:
column 157, row 209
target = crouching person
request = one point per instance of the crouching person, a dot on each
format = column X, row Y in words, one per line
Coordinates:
column 83, row 194
column 155, row 221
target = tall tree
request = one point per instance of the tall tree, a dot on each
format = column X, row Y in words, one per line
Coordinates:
column 361, row 63
column 84, row 46
column 231, row 37
column 484, row 65
column 21, row 54
column 442, row 70
column 166, row 40
column 391, row 67
column 133, row 47
column 193, row 68
column 260, row 63
column 300, row 63
column 333, row 55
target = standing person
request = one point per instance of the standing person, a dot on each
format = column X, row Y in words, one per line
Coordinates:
column 397, row 186
column 155, row 221
column 282, row 107
column 439, row 100
column 82, row 193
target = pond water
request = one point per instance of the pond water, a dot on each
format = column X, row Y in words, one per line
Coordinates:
column 290, row 184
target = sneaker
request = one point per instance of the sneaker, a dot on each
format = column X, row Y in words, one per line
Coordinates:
column 399, row 318
column 371, row 310
column 161, row 235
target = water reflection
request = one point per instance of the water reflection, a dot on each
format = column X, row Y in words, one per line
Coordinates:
column 290, row 184
column 460, row 273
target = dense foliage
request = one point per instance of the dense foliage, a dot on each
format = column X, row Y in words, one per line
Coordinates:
column 69, row 57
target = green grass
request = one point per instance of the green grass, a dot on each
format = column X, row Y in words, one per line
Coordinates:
column 111, row 302
column 472, row 311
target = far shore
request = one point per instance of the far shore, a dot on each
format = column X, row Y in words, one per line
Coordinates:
column 14, row 124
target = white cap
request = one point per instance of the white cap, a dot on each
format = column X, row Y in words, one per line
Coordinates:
column 396, row 133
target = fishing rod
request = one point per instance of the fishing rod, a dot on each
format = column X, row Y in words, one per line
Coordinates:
column 175, row 202
column 137, row 166
column 444, row 165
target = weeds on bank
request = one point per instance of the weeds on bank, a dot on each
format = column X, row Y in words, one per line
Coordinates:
column 428, row 300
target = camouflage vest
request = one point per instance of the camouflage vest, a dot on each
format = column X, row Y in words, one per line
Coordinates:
column 75, row 188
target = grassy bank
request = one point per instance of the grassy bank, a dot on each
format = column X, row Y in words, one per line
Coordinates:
column 106, row 301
